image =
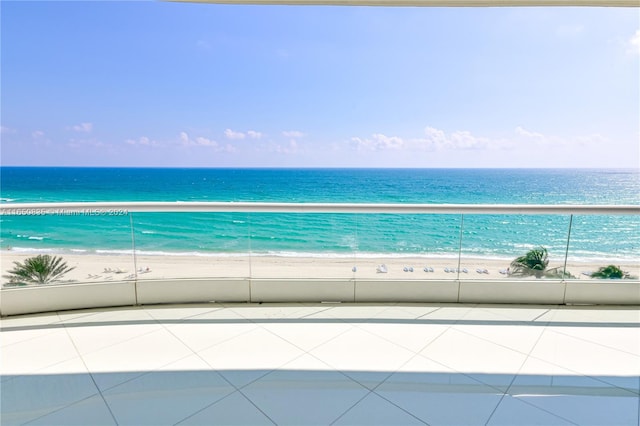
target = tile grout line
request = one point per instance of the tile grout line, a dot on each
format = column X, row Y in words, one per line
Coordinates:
column 305, row 352
column 104, row 400
column 415, row 354
column 237, row 389
column 222, row 399
column 197, row 354
column 515, row 376
column 142, row 374
column 597, row 343
column 541, row 315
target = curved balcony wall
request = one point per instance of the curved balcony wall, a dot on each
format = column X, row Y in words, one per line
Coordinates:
column 148, row 253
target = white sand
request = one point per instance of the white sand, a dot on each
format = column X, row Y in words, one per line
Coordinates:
column 92, row 268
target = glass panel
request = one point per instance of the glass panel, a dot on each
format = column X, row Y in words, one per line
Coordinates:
column 303, row 245
column 492, row 243
column 605, row 247
column 192, row 245
column 408, row 247
column 96, row 245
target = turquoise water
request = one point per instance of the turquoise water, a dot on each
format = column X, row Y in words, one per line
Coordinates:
column 207, row 234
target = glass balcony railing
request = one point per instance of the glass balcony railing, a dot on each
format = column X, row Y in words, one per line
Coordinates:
column 100, row 242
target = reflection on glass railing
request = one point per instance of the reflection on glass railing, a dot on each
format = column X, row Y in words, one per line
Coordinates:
column 49, row 248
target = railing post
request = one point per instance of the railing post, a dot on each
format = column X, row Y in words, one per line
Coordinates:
column 135, row 261
column 566, row 256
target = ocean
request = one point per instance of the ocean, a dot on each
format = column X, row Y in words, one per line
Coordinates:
column 615, row 238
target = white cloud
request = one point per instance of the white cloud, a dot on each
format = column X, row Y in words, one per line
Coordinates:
column 379, row 142
column 287, row 149
column 83, row 143
column 458, row 140
column 293, row 134
column 634, row 43
column 433, row 140
column 230, row 134
column 202, row 141
column 254, row 135
column 37, row 134
column 142, row 141
column 83, row 127
column 185, row 140
column 537, row 139
column 7, row 130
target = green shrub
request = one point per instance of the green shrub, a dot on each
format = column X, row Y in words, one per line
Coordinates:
column 610, row 272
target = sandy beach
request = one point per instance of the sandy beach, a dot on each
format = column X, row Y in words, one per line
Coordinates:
column 95, row 268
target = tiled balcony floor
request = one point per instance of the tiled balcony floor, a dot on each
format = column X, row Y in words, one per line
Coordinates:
column 341, row 364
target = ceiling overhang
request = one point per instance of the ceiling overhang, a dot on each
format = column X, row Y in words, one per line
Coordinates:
column 431, row 3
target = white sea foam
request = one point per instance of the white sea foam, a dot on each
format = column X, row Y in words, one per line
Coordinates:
column 582, row 257
column 32, row 250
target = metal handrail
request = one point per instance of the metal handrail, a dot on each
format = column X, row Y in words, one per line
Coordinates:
column 261, row 207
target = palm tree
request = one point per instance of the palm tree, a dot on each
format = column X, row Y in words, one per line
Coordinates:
column 41, row 269
column 610, row 272
column 534, row 262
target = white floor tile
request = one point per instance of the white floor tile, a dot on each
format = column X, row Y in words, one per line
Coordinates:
column 413, row 337
column 351, row 312
column 91, row 411
column 11, row 335
column 417, row 310
column 165, row 397
column 296, row 396
column 29, row 397
column 584, row 357
column 32, row 355
column 589, row 409
column 513, row 412
column 591, row 314
column 202, row 335
column 519, row 338
column 276, row 311
column 363, row 356
column 507, row 313
column 307, row 335
column 402, row 314
column 490, row 363
column 441, row 398
column 579, row 399
column 91, row 338
column 449, row 313
column 625, row 339
column 234, row 409
column 117, row 315
column 124, row 360
column 31, row 320
column 178, row 312
column 249, row 356
column 374, row 410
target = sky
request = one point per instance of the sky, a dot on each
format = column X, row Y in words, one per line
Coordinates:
column 162, row 84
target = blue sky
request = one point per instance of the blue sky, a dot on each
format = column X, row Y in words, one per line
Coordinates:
column 174, row 84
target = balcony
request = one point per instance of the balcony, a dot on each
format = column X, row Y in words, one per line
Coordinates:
column 190, row 341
